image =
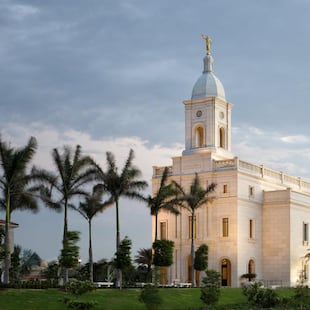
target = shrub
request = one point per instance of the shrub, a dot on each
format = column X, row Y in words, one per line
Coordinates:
column 163, row 252
column 261, row 297
column 78, row 288
column 150, row 297
column 79, row 305
column 210, row 291
column 301, row 297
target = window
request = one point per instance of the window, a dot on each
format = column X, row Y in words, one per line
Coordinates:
column 199, row 137
column 251, row 191
column 163, row 230
column 225, row 227
column 222, row 137
column 305, row 232
column 190, row 226
column 225, row 188
column 251, row 266
column 251, row 229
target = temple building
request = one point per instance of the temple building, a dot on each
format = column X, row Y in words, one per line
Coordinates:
column 258, row 222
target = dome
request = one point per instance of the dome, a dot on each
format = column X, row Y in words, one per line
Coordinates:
column 208, row 85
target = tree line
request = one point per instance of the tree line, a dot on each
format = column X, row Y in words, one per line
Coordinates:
column 77, row 177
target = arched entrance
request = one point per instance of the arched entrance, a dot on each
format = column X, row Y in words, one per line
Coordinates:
column 226, row 272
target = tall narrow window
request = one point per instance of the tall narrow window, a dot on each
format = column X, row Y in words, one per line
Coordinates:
column 225, row 227
column 222, row 137
column 190, row 226
column 163, row 230
column 199, row 137
column 251, row 191
column 305, row 232
column 251, row 229
column 225, row 188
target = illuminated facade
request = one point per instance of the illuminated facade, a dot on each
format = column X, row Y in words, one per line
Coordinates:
column 259, row 220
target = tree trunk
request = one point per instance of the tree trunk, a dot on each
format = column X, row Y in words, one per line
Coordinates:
column 156, row 220
column 118, row 241
column 193, row 251
column 91, row 266
column 65, row 269
column 7, row 241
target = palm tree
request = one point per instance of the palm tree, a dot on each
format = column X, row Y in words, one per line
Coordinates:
column 165, row 198
column 123, row 184
column 73, row 172
column 88, row 209
column 144, row 258
column 194, row 199
column 15, row 185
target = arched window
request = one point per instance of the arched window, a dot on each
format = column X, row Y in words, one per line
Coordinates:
column 251, row 266
column 222, row 137
column 199, row 137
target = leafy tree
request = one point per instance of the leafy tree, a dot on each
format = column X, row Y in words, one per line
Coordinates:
column 164, row 198
column 51, row 272
column 73, row 172
column 69, row 256
column 121, row 184
column 15, row 187
column 194, row 199
column 88, row 209
column 15, row 262
column 28, row 260
column 210, row 292
column 151, row 298
column 201, row 258
column 122, row 256
column 163, row 252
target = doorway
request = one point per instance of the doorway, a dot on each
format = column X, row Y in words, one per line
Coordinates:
column 226, row 272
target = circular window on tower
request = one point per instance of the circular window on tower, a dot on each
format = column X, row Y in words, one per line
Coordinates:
column 198, row 113
column 222, row 115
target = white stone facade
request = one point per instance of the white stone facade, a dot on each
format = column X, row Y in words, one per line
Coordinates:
column 259, row 219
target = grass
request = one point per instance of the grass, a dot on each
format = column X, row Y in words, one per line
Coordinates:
column 112, row 299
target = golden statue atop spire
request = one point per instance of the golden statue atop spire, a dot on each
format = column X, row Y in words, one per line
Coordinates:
column 208, row 43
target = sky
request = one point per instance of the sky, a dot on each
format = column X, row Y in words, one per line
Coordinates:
column 111, row 75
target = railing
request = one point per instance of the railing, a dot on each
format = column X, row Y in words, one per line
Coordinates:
column 259, row 171
column 158, row 171
column 231, row 164
column 279, row 177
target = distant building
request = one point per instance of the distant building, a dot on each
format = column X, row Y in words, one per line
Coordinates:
column 258, row 222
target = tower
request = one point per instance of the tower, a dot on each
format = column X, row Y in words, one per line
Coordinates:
column 208, row 114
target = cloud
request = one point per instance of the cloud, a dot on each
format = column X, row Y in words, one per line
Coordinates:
column 18, row 12
column 273, row 149
column 134, row 216
column 297, row 139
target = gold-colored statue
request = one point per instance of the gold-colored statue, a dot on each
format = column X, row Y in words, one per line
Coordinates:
column 208, row 43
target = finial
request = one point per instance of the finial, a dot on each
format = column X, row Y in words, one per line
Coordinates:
column 208, row 43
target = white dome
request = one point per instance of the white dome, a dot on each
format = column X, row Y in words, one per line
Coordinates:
column 208, row 85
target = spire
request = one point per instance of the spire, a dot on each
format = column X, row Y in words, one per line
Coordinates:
column 208, row 59
column 208, row 43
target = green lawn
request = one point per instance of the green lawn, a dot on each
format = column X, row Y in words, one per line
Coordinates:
column 112, row 299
